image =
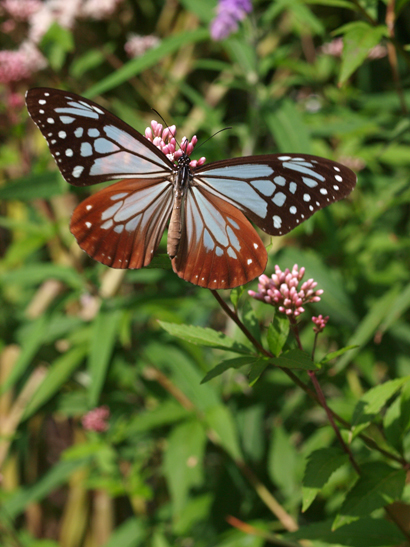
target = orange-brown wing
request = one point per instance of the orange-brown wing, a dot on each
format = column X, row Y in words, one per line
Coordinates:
column 219, row 248
column 121, row 226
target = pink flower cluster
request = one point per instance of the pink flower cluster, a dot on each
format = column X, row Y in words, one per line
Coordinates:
column 282, row 291
column 96, row 419
column 164, row 139
column 20, row 64
column 320, row 323
column 137, row 45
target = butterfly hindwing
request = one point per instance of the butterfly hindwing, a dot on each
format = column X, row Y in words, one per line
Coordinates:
column 219, row 248
column 89, row 144
column 122, row 225
column 277, row 192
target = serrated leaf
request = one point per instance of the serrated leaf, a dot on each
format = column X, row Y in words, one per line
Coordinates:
column 294, row 359
column 257, row 369
column 237, row 362
column 378, row 486
column 205, row 337
column 358, row 40
column 320, row 467
column 366, row 532
column 369, row 406
column 335, row 354
column 220, row 419
column 278, row 332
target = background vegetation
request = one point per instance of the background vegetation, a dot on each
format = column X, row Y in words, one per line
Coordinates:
column 220, row 463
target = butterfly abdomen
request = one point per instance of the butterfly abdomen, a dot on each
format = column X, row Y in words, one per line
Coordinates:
column 182, row 178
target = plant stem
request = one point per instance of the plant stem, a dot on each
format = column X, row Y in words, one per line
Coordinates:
column 367, row 440
column 322, row 399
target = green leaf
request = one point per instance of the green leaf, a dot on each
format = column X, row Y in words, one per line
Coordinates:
column 333, row 3
column 104, row 332
column 378, row 486
column 33, row 339
column 359, row 38
column 320, row 467
column 370, row 404
column 250, row 320
column 57, row 476
column 131, row 533
column 221, row 421
column 56, row 43
column 283, row 462
column 257, row 369
column 278, row 334
column 35, row 186
column 152, row 57
column 183, row 462
column 58, row 373
column 369, row 324
column 294, row 359
column 334, row 354
column 204, row 337
column 237, row 362
column 288, row 128
column 38, row 273
column 366, row 532
column 393, row 425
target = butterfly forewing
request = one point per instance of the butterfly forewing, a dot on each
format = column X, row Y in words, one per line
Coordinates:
column 89, row 144
column 277, row 192
column 122, row 225
column 219, row 248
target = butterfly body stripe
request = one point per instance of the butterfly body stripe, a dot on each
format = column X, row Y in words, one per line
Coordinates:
column 211, row 242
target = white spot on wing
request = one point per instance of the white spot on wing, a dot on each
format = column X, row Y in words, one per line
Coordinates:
column 69, row 153
column 277, row 221
column 279, row 199
column 50, row 120
column 78, row 169
column 86, row 149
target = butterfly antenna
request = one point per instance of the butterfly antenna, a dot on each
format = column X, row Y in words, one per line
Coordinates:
column 166, row 125
column 212, row 136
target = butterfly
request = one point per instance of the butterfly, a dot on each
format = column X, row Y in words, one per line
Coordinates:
column 211, row 242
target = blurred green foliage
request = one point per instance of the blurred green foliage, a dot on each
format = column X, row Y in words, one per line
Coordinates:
column 187, row 463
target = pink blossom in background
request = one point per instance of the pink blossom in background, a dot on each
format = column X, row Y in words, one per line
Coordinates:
column 20, row 64
column 20, row 10
column 335, row 49
column 229, row 12
column 15, row 101
column 282, row 291
column 164, row 139
column 65, row 13
column 96, row 419
column 138, row 45
column 99, row 9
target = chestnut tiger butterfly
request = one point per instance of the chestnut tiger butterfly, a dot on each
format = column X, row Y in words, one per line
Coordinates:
column 211, row 243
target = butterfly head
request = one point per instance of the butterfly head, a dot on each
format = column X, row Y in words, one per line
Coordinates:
column 164, row 139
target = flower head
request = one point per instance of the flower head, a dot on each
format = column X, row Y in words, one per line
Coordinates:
column 283, row 292
column 96, row 419
column 229, row 12
column 164, row 139
column 320, row 323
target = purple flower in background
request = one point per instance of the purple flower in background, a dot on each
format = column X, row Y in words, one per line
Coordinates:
column 229, row 12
